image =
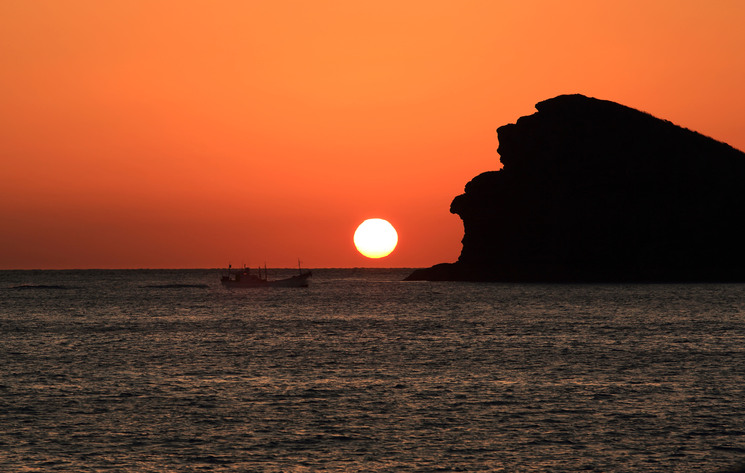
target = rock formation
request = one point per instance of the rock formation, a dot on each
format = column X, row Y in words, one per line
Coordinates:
column 591, row 190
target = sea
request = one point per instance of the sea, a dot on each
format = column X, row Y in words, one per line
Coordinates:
column 167, row 371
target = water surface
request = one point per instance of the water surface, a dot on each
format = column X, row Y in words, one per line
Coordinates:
column 167, row 371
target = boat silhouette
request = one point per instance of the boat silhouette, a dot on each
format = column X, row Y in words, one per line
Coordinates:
column 243, row 278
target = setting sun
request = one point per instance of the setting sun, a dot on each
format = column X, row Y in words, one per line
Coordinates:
column 375, row 238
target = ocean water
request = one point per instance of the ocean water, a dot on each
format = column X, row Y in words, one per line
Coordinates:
column 157, row 371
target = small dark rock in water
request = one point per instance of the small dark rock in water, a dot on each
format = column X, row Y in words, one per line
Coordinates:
column 595, row 191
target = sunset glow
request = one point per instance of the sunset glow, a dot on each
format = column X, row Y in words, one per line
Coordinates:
column 189, row 134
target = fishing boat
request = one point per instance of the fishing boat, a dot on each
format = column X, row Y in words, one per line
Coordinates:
column 242, row 279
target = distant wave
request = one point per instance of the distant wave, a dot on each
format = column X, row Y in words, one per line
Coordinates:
column 175, row 286
column 42, row 286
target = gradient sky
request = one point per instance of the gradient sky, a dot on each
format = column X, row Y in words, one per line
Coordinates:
column 174, row 134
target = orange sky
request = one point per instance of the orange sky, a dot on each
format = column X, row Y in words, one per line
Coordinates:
column 196, row 133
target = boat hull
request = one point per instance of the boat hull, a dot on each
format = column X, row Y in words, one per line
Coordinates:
column 301, row 280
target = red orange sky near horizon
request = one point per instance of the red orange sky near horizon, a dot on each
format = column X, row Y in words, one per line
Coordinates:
column 174, row 134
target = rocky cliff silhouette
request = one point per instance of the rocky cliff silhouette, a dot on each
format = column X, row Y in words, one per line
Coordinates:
column 591, row 191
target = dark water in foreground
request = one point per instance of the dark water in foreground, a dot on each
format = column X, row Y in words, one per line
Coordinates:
column 108, row 371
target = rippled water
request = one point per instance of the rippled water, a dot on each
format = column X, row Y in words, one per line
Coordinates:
column 166, row 371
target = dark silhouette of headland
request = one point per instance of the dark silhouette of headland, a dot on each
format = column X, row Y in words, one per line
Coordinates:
column 594, row 191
